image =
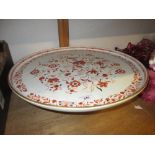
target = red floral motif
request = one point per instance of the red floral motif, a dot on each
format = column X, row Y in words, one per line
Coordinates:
column 35, row 71
column 48, row 77
column 38, row 98
column 67, row 74
column 105, row 75
column 56, row 87
column 53, row 80
column 79, row 63
column 75, row 83
column 137, row 77
column 99, row 63
column 22, row 87
column 18, row 81
column 115, row 64
column 119, row 71
column 73, row 86
column 54, row 84
column 93, row 71
column 17, row 75
column 52, row 65
column 41, row 78
column 103, row 84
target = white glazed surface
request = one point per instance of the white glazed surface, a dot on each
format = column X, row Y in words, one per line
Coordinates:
column 77, row 79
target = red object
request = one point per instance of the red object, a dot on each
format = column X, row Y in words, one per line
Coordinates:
column 141, row 51
column 149, row 92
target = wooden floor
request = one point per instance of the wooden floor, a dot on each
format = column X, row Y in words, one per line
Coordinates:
column 24, row 118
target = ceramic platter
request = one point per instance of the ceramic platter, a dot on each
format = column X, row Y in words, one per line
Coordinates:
column 78, row 79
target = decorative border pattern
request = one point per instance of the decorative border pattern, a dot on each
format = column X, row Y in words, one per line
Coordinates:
column 112, row 99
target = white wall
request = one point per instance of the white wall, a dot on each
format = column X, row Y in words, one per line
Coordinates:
column 109, row 33
column 90, row 28
column 27, row 36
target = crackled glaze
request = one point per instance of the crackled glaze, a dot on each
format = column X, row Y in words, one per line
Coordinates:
column 77, row 78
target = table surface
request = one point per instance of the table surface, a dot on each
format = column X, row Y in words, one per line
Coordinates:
column 24, row 118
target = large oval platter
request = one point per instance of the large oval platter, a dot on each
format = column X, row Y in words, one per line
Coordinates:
column 78, row 79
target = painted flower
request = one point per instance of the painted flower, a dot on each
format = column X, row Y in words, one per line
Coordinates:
column 35, row 71
column 41, row 78
column 52, row 65
column 53, row 80
column 104, row 75
column 115, row 64
column 75, row 83
column 56, row 87
column 22, row 87
column 103, row 84
column 18, row 74
column 77, row 63
column 99, row 63
column 119, row 71
column 54, row 101
column 67, row 74
column 93, row 71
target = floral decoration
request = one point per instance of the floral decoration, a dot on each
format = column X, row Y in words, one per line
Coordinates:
column 85, row 76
